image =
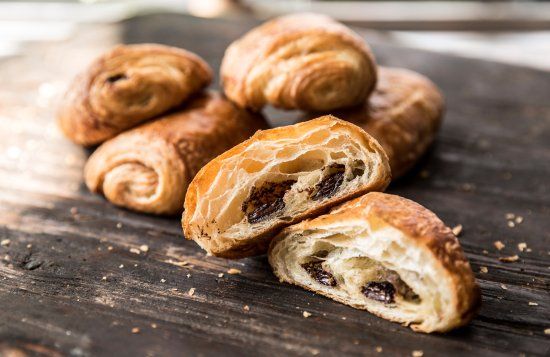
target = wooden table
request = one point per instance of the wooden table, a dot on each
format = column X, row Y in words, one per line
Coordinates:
column 71, row 282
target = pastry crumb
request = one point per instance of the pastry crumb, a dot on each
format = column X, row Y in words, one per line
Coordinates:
column 135, row 330
column 417, row 353
column 135, row 251
column 121, row 266
column 315, row 351
column 510, row 216
column 499, row 245
column 119, row 225
column 73, row 210
column 110, row 247
column 483, row 270
column 518, row 220
column 220, row 275
column 522, row 246
column 531, row 303
column 509, row 259
column 188, row 276
column 485, row 251
column 5, row 242
column 233, row 271
column 378, row 349
column 180, row 264
column 504, row 287
column 246, row 308
column 511, row 224
column 306, row 314
column 104, row 278
column 163, row 280
column 191, row 292
column 153, row 325
column 457, row 230
column 547, row 331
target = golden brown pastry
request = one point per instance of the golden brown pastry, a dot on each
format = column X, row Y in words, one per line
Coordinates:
column 242, row 198
column 300, row 61
column 403, row 113
column 148, row 168
column 126, row 86
column 385, row 254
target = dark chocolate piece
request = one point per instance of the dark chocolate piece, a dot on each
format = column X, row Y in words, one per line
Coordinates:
column 330, row 183
column 382, row 291
column 315, row 269
column 266, row 200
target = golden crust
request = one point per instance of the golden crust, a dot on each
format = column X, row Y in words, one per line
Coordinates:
column 422, row 228
column 258, row 242
column 403, row 113
column 149, row 167
column 299, row 61
column 126, row 86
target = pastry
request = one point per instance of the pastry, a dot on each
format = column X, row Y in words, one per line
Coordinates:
column 148, row 168
column 299, row 61
column 126, row 86
column 403, row 113
column 242, row 198
column 385, row 254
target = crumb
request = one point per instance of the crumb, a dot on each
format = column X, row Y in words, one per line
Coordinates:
column 29, row 246
column 547, row 331
column 154, row 325
column 135, row 330
column 234, row 271
column 485, row 251
column 220, row 275
column 355, row 342
column 73, row 210
column 510, row 259
column 378, row 349
column 135, row 251
column 504, row 287
column 306, row 314
column 418, row 353
column 510, row 216
column 519, row 219
column 135, row 265
column 188, row 276
column 110, row 247
column 511, row 224
column 119, row 225
column 457, row 230
column 483, row 270
column 163, row 280
column 5, row 242
column 533, row 303
column 191, row 292
column 144, row 248
column 246, row 308
column 343, row 317
column 177, row 263
column 499, row 245
column 104, row 278
column 528, row 250
column 522, row 246
column 121, row 266
column 174, row 289
column 468, row 187
column 315, row 351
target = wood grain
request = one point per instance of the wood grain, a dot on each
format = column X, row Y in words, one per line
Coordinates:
column 69, row 284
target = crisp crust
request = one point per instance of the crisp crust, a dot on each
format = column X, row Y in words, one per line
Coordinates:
column 149, row 167
column 258, row 243
column 403, row 113
column 126, row 86
column 300, row 61
column 422, row 228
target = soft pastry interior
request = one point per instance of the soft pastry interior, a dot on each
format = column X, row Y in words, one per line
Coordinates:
column 370, row 264
column 276, row 178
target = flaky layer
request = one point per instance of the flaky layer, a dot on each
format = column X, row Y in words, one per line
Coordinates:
column 127, row 86
column 149, row 167
column 300, row 61
column 385, row 254
column 241, row 199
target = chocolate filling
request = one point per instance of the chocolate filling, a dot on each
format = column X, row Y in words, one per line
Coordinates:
column 382, row 291
column 116, row 77
column 316, row 271
column 266, row 200
column 330, row 183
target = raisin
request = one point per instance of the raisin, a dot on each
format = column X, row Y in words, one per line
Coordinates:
column 382, row 291
column 263, row 202
column 330, row 183
column 116, row 77
column 315, row 269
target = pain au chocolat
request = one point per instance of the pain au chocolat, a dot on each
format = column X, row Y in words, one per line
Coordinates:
column 384, row 254
column 148, row 168
column 299, row 61
column 242, row 198
column 126, row 86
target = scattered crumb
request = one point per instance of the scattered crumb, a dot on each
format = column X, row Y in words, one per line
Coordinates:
column 306, row 314
column 135, row 265
column 154, row 325
column 121, row 266
column 499, row 245
column 528, row 250
column 510, row 216
column 547, row 331
column 191, row 292
column 135, row 251
column 510, row 259
column 180, row 264
column 315, row 351
column 485, row 251
column 343, row 317
column 144, row 248
column 518, row 219
column 378, row 349
column 104, row 278
column 163, row 280
column 483, row 270
column 417, row 353
column 246, row 308
column 504, row 287
column 119, row 225
column 457, row 230
column 174, row 289
column 468, row 187
column 110, row 247
column 73, row 210
column 29, row 246
column 511, row 224
column 220, row 275
column 135, row 330
column 234, row 271
column 5, row 242
column 533, row 303
column 188, row 276
column 522, row 246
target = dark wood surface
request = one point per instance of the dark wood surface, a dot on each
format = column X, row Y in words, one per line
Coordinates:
column 69, row 284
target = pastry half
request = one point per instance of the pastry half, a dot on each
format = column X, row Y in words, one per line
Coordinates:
column 403, row 113
column 242, row 198
column 148, row 168
column 299, row 61
column 126, row 86
column 385, row 254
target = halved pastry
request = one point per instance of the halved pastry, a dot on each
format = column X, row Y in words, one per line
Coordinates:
column 241, row 199
column 403, row 113
column 299, row 61
column 385, row 254
column 126, row 86
column 148, row 168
